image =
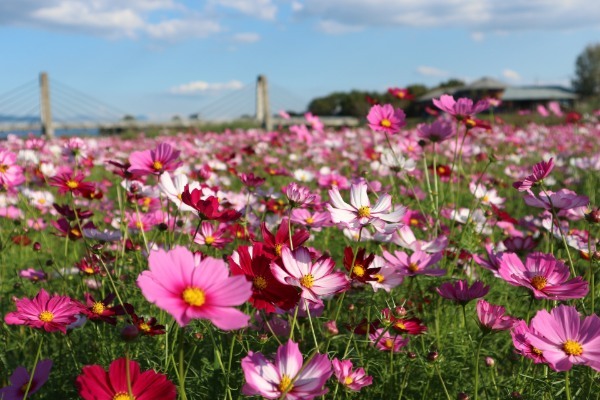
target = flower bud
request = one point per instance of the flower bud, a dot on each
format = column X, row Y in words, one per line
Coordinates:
column 129, row 333
column 462, row 396
column 490, row 362
column 432, row 356
column 37, row 246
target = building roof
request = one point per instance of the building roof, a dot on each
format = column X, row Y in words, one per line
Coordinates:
column 485, row 83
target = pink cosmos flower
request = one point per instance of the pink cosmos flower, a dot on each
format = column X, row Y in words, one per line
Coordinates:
column 436, row 132
column 461, row 109
column 51, row 313
column 11, row 174
column 544, row 275
column 286, row 377
column 154, row 162
column 384, row 341
column 418, row 263
column 386, row 119
column 20, row 379
column 388, row 277
column 95, row 383
column 492, row 263
column 212, row 237
column 564, row 199
column 353, row 380
column 359, row 212
column 540, row 171
column 492, row 318
column 460, row 291
column 333, row 179
column 314, row 220
column 298, row 195
column 520, row 333
column 565, row 339
column 189, row 292
column 316, row 279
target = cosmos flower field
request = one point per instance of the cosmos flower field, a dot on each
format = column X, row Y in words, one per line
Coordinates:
column 452, row 260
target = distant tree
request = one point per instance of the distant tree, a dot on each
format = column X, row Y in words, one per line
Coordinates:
column 587, row 72
column 450, row 83
column 128, row 118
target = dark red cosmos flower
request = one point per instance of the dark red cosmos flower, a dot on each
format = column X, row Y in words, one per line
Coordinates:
column 443, row 171
column 267, row 292
column 372, row 101
column 95, row 383
column 360, row 270
column 276, row 206
column 572, row 117
column 122, row 170
column 72, row 214
column 502, row 215
column 102, row 310
column 402, row 94
column 207, row 209
column 250, row 180
column 412, row 326
column 364, row 327
column 273, row 244
column 89, row 265
column 372, row 154
column 70, row 181
column 71, row 230
column 240, row 232
column 148, row 328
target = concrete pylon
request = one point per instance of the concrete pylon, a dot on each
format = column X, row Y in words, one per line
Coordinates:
column 263, row 110
column 45, row 108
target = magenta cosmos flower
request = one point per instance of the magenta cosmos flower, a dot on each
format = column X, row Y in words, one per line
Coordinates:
column 461, row 292
column 11, row 174
column 564, row 199
column 95, row 383
column 20, row 379
column 385, row 341
column 315, row 279
column 148, row 162
column 386, row 119
column 492, row 317
column 544, row 275
column 436, row 132
column 189, row 292
column 353, row 380
column 520, row 333
column 461, row 109
column 286, row 377
column 418, row 263
column 540, row 171
column 359, row 212
column 564, row 338
column 51, row 313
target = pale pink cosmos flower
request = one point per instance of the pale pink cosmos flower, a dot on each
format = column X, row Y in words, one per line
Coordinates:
column 351, row 379
column 187, row 292
column 173, row 187
column 299, row 196
column 385, row 341
column 460, row 291
column 543, row 274
column 315, row 279
column 51, row 313
column 359, row 212
column 486, row 196
column 540, row 171
column 565, row 339
column 388, row 276
column 315, row 220
column 418, row 263
column 461, row 109
column 154, row 162
column 492, row 317
column 386, row 119
column 286, row 377
column 564, row 199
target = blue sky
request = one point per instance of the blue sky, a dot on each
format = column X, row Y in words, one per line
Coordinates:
column 165, row 57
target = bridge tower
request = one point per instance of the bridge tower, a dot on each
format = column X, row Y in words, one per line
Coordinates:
column 263, row 110
column 45, row 109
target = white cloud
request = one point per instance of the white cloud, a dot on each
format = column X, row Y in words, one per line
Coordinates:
column 432, row 71
column 246, row 37
column 178, row 28
column 511, row 75
column 337, row 28
column 477, row 36
column 198, row 87
column 297, row 6
column 263, row 9
column 477, row 16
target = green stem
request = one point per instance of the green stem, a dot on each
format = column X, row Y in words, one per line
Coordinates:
column 437, row 369
column 477, row 368
column 35, row 363
column 181, row 365
column 567, row 386
column 312, row 329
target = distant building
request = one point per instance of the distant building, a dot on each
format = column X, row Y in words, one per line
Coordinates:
column 513, row 97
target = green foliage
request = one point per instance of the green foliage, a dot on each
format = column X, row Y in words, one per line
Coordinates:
column 587, row 72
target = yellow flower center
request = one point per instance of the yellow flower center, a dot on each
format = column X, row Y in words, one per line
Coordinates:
column 259, row 282
column 98, row 307
column 309, row 220
column 413, row 267
column 307, row 281
column 441, row 170
column 358, row 270
column 209, row 240
column 388, row 343
column 46, row 316
column 539, row 282
column 139, row 224
column 286, row 384
column 89, row 270
column 537, row 351
column 380, row 278
column 3, row 168
column 414, row 221
column 75, row 232
column 348, row 381
column 71, row 184
column 470, row 123
column 400, row 325
column 386, row 123
column 400, row 95
column 42, row 201
column 364, row 212
column 572, row 348
column 157, row 165
column 194, row 296
column 146, row 201
column 485, row 199
column 278, row 248
column 122, row 396
column 144, row 327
